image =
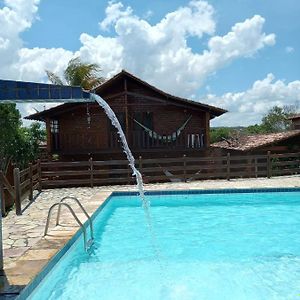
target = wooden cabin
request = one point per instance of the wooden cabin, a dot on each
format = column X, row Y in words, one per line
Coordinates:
column 155, row 123
column 295, row 121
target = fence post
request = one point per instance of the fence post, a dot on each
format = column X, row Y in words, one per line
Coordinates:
column 140, row 165
column 17, row 191
column 184, row 167
column 31, row 182
column 91, row 172
column 39, row 170
column 255, row 167
column 3, row 209
column 228, row 166
column 269, row 166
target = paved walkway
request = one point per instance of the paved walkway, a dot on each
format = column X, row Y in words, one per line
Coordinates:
column 26, row 251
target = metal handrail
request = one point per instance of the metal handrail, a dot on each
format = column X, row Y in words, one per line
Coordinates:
column 82, row 208
column 75, row 217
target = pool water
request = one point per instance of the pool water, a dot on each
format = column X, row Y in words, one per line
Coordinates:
column 212, row 246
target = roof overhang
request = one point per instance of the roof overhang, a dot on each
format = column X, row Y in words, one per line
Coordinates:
column 212, row 110
column 26, row 92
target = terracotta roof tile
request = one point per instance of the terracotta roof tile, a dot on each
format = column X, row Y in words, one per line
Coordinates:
column 249, row 142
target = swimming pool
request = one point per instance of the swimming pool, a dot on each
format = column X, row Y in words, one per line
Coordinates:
column 213, row 245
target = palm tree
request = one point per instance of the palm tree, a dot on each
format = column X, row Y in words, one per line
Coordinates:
column 78, row 73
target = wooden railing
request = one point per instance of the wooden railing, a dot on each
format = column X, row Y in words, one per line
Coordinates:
column 140, row 139
column 90, row 173
column 184, row 169
column 24, row 183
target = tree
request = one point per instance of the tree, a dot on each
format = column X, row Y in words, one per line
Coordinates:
column 78, row 73
column 276, row 120
column 10, row 122
column 255, row 129
column 18, row 144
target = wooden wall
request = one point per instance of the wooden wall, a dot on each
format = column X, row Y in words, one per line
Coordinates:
column 77, row 136
column 296, row 123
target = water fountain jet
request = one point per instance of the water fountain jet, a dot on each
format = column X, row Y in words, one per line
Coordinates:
column 131, row 161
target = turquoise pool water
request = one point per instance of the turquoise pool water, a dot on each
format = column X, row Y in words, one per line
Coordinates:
column 212, row 246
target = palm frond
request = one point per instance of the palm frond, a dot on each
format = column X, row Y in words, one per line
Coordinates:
column 54, row 78
column 82, row 74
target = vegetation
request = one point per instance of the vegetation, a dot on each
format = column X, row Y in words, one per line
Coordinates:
column 78, row 73
column 17, row 143
column 220, row 133
column 276, row 120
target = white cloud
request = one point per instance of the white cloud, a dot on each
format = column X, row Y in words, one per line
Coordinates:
column 33, row 62
column 158, row 53
column 15, row 17
column 248, row 107
column 289, row 49
column 114, row 11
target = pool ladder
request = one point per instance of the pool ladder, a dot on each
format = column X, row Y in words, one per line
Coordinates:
column 87, row 243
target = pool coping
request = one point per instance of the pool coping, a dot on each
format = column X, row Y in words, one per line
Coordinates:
column 27, row 291
column 51, row 262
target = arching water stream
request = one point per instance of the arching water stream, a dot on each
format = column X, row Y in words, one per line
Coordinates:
column 135, row 172
column 131, row 161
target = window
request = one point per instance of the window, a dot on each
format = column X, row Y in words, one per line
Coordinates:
column 54, row 129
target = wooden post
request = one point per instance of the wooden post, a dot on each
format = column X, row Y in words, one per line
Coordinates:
column 39, row 170
column 49, row 138
column 228, row 166
column 126, row 112
column 255, row 167
column 269, row 166
column 207, row 130
column 17, row 191
column 31, row 182
column 3, row 209
column 184, row 167
column 140, row 165
column 91, row 172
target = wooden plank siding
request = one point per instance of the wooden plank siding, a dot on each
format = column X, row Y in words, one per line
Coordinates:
column 80, row 137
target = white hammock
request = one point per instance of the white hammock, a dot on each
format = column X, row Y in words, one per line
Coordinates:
column 173, row 177
column 172, row 137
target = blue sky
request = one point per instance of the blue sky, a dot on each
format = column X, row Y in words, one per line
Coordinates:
column 247, row 83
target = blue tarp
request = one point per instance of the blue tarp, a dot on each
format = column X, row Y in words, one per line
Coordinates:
column 19, row 91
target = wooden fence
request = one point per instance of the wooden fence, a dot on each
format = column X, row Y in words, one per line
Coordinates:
column 181, row 169
column 24, row 183
column 185, row 169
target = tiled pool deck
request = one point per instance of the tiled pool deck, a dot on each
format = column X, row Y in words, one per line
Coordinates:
column 26, row 251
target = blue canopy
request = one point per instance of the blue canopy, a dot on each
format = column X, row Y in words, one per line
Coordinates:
column 20, row 91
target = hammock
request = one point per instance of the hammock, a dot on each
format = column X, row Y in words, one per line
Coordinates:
column 172, row 137
column 173, row 177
